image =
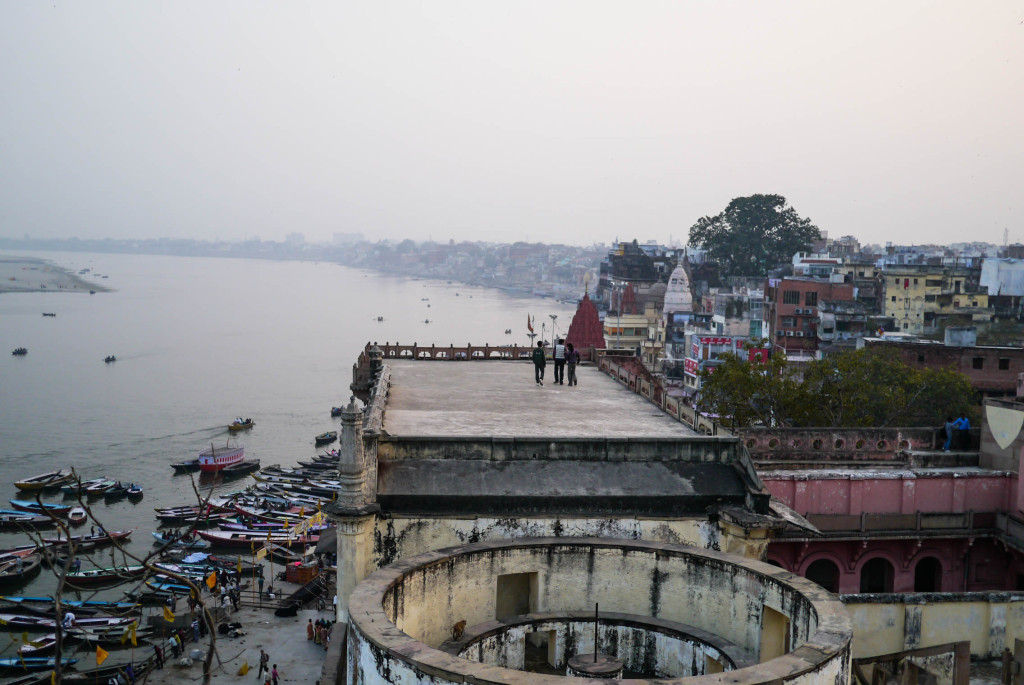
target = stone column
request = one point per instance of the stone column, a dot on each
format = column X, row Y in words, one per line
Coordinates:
column 351, row 511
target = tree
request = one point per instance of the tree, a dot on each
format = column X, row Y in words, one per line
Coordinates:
column 753, row 235
column 871, row 387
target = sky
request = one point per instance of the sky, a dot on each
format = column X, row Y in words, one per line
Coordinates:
column 572, row 122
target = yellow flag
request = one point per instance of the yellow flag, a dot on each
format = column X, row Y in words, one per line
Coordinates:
column 24, row 638
column 244, row 669
column 302, row 510
column 101, row 655
column 129, row 632
column 239, row 564
column 53, row 677
column 168, row 615
column 211, row 580
column 135, row 639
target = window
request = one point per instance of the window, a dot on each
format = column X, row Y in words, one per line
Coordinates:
column 915, row 281
column 811, row 299
column 928, row 575
column 920, row 359
column 978, row 363
column 789, row 321
column 929, row 298
column 933, row 283
column 876, row 576
column 791, row 297
column 893, row 298
column 1004, row 364
column 825, row 573
column 973, row 303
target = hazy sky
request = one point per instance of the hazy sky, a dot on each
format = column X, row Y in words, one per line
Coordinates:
column 550, row 121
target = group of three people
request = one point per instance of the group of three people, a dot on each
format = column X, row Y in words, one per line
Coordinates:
column 563, row 355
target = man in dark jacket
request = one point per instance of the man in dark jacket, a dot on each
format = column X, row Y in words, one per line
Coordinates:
column 539, row 362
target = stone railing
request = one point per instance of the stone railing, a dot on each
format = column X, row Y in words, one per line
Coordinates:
column 841, row 444
column 373, row 415
column 452, row 352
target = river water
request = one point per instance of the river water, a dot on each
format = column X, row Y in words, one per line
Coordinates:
column 198, row 342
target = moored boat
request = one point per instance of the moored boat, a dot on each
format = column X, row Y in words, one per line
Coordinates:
column 100, row 488
column 104, row 576
column 77, row 516
column 217, row 458
column 119, row 491
column 25, row 520
column 51, row 480
column 36, row 508
column 20, row 569
column 241, row 468
column 171, row 541
column 27, row 663
column 326, row 438
column 78, row 487
column 135, row 492
column 43, row 624
column 190, row 466
column 227, row 538
column 95, row 540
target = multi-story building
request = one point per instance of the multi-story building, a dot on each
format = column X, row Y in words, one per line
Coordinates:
column 791, row 312
column 923, row 299
column 840, row 324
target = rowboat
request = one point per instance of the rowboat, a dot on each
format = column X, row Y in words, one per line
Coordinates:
column 45, row 605
column 76, row 487
column 186, row 466
column 97, row 540
column 100, row 488
column 32, row 663
column 117, row 492
column 42, row 624
column 170, row 541
column 241, row 468
column 51, row 480
column 24, row 520
column 111, row 639
column 241, row 424
column 235, row 539
column 104, row 576
column 282, row 555
column 326, row 438
column 77, row 516
column 35, row 508
column 20, row 569
column 135, row 492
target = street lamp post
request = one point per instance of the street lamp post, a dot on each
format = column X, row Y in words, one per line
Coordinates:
column 554, row 336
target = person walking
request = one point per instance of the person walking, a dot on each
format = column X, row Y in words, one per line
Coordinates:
column 539, row 362
column 948, row 428
column 264, row 665
column 159, row 655
column 572, row 358
column 558, row 354
column 273, row 674
column 310, row 630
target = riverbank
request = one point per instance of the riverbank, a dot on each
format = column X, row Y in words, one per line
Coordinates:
column 31, row 275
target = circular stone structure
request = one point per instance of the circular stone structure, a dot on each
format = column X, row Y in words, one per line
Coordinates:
column 792, row 630
column 594, row 666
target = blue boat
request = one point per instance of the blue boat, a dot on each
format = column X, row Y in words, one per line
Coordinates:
column 36, row 508
column 32, row 663
column 47, row 602
column 168, row 587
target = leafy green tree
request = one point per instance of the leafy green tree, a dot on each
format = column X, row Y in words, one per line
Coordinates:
column 871, row 387
column 753, row 235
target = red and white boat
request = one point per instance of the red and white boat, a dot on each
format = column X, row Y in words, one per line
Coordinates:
column 216, row 458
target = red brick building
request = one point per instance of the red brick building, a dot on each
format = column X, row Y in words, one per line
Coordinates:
column 791, row 312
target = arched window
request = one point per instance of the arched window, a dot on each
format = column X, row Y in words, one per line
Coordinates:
column 928, row 575
column 876, row 576
column 825, row 573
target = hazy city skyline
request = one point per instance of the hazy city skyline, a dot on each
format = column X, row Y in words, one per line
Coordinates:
column 572, row 122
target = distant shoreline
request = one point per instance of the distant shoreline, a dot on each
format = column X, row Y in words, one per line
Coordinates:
column 34, row 275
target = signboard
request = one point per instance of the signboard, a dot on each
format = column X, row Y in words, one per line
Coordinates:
column 690, row 366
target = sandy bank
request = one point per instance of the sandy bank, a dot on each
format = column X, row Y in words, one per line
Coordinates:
column 31, row 275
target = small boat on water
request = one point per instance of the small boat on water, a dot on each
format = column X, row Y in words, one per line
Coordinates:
column 98, row 489
column 241, row 468
column 45, row 605
column 49, row 313
column 119, row 491
column 51, row 480
column 225, row 538
column 35, row 508
column 134, row 492
column 111, row 639
column 78, row 487
column 20, row 351
column 171, row 541
column 241, row 424
column 336, row 411
column 25, row 520
column 32, row 663
column 97, row 540
column 282, row 555
column 20, row 569
column 43, row 624
column 326, row 438
column 217, row 458
column 77, row 516
column 104, row 576
column 109, row 359
column 190, row 466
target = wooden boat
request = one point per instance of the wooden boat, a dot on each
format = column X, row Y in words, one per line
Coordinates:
column 20, row 569
column 241, row 468
column 135, row 492
column 97, row 540
column 326, row 438
column 241, row 424
column 49, row 313
column 52, row 480
column 77, row 516
column 35, row 508
column 25, row 520
column 169, row 541
column 45, row 605
column 110, row 639
column 33, row 663
column 109, row 359
column 336, row 411
column 43, row 624
column 282, row 555
column 190, row 466
column 20, row 351
column 104, row 576
column 100, row 488
column 105, row 672
column 78, row 487
column 246, row 540
column 115, row 493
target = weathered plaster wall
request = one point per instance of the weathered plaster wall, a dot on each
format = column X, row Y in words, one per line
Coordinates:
column 900, row 491
column 425, row 596
column 890, row 623
column 653, row 650
column 398, row 537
